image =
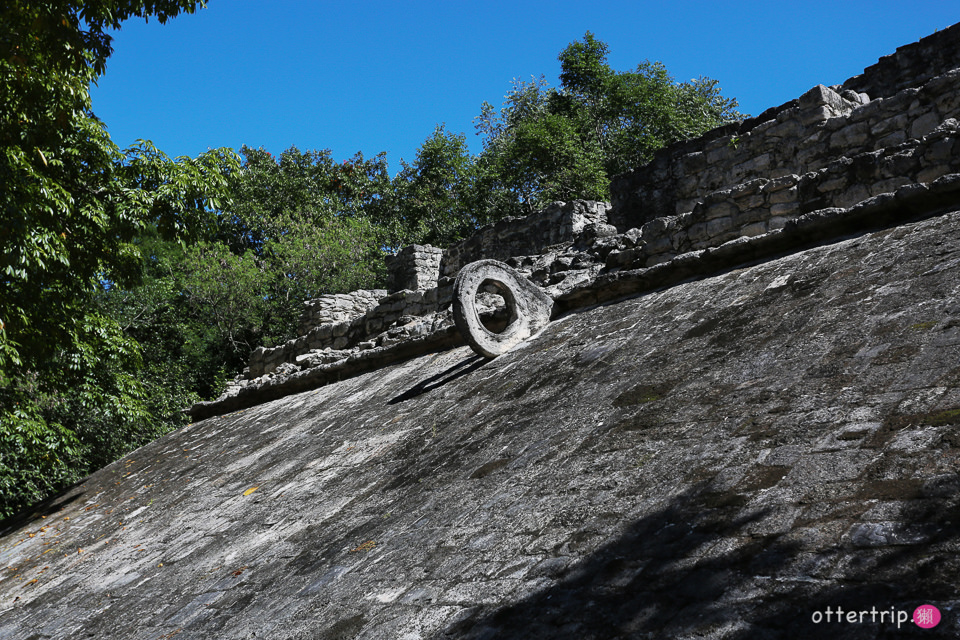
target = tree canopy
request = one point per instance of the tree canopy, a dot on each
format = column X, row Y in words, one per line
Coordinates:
column 548, row 144
column 72, row 207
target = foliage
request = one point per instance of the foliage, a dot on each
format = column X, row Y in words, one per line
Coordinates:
column 549, row 144
column 431, row 199
column 72, row 206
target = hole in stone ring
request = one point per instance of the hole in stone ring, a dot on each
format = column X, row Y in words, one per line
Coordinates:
column 495, row 306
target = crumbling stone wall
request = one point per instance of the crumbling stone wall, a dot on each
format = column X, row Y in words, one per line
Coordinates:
column 338, row 307
column 415, row 268
column 761, row 205
column 801, row 137
column 558, row 223
column 912, row 65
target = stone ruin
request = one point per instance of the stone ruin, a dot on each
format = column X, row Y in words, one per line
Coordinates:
column 874, row 150
column 741, row 418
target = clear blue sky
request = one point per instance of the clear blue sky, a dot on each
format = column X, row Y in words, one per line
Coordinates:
column 379, row 76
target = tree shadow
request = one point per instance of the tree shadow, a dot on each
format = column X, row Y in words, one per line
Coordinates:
column 46, row 508
column 458, row 370
column 695, row 569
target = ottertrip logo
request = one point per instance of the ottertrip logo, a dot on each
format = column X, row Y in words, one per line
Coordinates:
column 925, row 616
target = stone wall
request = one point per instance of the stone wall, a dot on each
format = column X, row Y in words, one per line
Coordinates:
column 387, row 321
column 414, row 268
column 911, row 65
column 808, row 135
column 889, row 103
column 337, row 307
column 559, row 223
column 760, row 205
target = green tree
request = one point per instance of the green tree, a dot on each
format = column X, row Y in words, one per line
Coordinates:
column 432, row 197
column 72, row 207
column 549, row 144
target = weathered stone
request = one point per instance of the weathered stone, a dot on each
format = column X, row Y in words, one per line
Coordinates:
column 924, row 125
column 528, row 308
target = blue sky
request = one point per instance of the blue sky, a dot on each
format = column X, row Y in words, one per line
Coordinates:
column 379, row 76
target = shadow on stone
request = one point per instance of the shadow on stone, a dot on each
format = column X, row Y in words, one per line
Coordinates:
column 458, row 370
column 690, row 570
column 45, row 509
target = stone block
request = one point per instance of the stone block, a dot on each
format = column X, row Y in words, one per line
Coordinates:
column 821, row 95
column 789, row 129
column 853, row 195
column 719, row 226
column 698, row 232
column 787, row 209
column 898, row 122
column 776, row 223
column 888, row 186
column 750, row 202
column 779, row 183
column 815, row 115
column 892, row 140
column 930, row 174
column 720, row 210
column 719, row 155
column 924, row 125
column 784, row 195
column 855, row 135
column 754, row 229
column 940, row 152
column 758, row 163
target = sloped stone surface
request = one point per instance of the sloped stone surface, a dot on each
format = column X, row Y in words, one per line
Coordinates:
column 719, row 459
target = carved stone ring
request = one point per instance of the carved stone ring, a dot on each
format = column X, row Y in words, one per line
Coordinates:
column 529, row 308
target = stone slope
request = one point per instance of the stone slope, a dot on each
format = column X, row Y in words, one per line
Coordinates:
column 723, row 459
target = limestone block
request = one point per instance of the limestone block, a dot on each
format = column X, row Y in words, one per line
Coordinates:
column 787, row 209
column 748, row 216
column 698, row 232
column 660, row 258
column 940, row 152
column 903, row 163
column 930, row 174
column 784, row 195
column 776, row 222
column 780, row 182
column 834, row 184
column 719, row 226
column 924, row 125
column 823, row 96
column 720, row 210
column 754, row 229
column 853, row 195
column 789, row 129
column 685, row 206
column 889, row 186
column 855, row 135
column 750, row 202
column 693, row 162
column 719, row 155
column 896, row 122
column 815, row 115
column 892, row 140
